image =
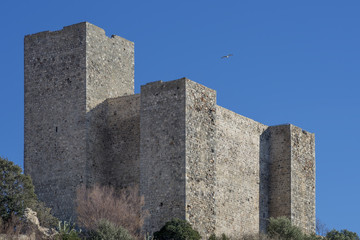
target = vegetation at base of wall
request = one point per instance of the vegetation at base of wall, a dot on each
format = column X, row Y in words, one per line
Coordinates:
column 121, row 208
column 67, row 231
column 14, row 226
column 222, row 237
column 321, row 228
column 17, row 190
column 116, row 215
column 342, row 235
column 109, row 231
column 17, row 194
column 46, row 219
column 283, row 229
column 177, row 229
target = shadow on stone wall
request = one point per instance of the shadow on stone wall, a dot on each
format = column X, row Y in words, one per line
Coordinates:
column 113, row 142
column 96, row 146
column 264, row 161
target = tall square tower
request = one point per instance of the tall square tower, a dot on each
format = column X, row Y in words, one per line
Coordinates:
column 67, row 74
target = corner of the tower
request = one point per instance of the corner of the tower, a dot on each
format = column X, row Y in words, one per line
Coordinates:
column 292, row 175
column 109, row 66
column 68, row 73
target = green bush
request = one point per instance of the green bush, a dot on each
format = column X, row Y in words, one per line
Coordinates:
column 17, row 194
column 46, row 219
column 212, row 237
column 222, row 237
column 312, row 236
column 17, row 190
column 342, row 235
column 67, row 231
column 177, row 229
column 281, row 228
column 108, row 231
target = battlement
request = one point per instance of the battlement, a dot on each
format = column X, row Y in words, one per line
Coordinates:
column 70, row 28
column 191, row 158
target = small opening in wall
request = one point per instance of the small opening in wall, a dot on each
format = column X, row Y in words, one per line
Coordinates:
column 161, row 204
column 56, row 129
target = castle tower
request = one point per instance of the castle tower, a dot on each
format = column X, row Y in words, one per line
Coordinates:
column 191, row 158
column 177, row 153
column 68, row 73
column 292, row 175
column 223, row 172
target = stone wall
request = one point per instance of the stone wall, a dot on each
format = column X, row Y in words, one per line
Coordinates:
column 264, row 171
column 238, row 174
column 109, row 74
column 193, row 160
column 303, row 179
column 67, row 74
column 114, row 142
column 292, row 175
column 109, row 66
column 200, row 130
column 162, row 151
column 280, row 172
column 55, row 115
column 123, row 128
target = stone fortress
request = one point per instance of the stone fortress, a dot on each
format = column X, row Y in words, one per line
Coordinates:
column 191, row 158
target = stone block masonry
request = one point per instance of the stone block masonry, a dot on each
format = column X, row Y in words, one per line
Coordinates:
column 292, row 175
column 67, row 74
column 240, row 190
column 191, row 158
column 162, row 151
column 113, row 142
column 200, row 168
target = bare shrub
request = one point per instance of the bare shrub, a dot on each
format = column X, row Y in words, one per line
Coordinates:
column 15, row 226
column 123, row 208
column 12, row 227
column 321, row 228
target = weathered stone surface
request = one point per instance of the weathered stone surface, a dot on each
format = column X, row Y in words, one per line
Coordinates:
column 238, row 195
column 280, row 171
column 55, row 114
column 192, row 159
column 292, row 175
column 67, row 74
column 303, row 179
column 162, row 151
column 113, row 142
column 200, row 144
column 109, row 66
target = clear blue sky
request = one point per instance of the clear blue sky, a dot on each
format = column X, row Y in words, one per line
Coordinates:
column 294, row 62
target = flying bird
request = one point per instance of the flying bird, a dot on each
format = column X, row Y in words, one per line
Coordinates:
column 227, row 56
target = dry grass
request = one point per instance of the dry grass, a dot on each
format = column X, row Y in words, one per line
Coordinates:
column 14, row 227
column 122, row 208
column 11, row 227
